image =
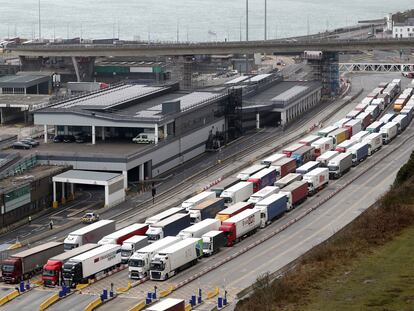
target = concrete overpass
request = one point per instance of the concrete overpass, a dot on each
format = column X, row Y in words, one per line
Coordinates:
column 182, row 49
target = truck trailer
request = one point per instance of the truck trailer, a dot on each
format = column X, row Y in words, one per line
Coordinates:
column 119, row 236
column 81, row 268
column 241, row 225
column 246, row 173
column 366, row 119
column 198, row 199
column 308, row 140
column 213, row 241
column 168, row 304
column 284, row 167
column 359, row 153
column 317, row 179
column 358, row 137
column 89, row 234
column 52, row 270
column 402, row 121
column 197, row 230
column 262, row 194
column 169, row 261
column 345, row 145
column 224, row 184
column 270, row 208
column 139, row 263
column 353, row 126
column 296, row 193
column 131, row 245
column 323, row 145
column 165, row 214
column 388, row 132
column 340, row 165
column 27, row 263
column 339, row 135
column 207, row 209
column 374, row 127
column 374, row 142
column 304, row 155
column 265, row 177
column 326, row 157
column 289, row 150
column 306, row 168
column 168, row 227
column 238, row 193
column 288, row 179
column 324, row 132
column 233, row 210
column 272, row 159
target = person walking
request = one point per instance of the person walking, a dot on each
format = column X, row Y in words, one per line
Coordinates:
column 30, row 220
column 51, row 224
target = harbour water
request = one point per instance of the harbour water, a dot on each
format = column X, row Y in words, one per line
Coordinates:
column 187, row 20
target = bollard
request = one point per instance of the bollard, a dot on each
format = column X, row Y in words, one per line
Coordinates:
column 22, row 289
column 193, row 300
column 149, row 295
column 28, row 285
column 148, row 301
column 154, row 296
column 61, row 293
column 104, row 294
column 199, row 300
column 219, row 302
column 111, row 294
column 224, row 301
column 200, row 297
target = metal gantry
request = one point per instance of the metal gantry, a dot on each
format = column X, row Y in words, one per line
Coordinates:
column 376, row 67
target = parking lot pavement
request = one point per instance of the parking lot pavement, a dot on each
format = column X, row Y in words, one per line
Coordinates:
column 27, row 302
column 74, row 302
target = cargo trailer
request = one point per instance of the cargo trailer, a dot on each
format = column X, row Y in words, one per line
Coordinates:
column 326, row 157
column 198, row 199
column 272, row 159
column 223, row 185
column 388, row 132
column 345, row 145
column 238, row 193
column 168, row 304
column 317, row 179
column 306, row 168
column 353, row 126
column 213, row 241
column 207, row 209
column 197, row 230
column 262, row 194
column 373, row 110
column 358, row 137
column 284, row 167
column 131, row 245
column 366, row 119
column 353, row 114
column 119, row 236
column 402, row 122
column 288, row 179
column 271, row 208
column 265, row 177
column 291, row 149
column 387, row 117
column 165, row 214
column 296, row 193
column 340, row 165
column 359, row 153
column 375, row 127
column 168, row 227
column 323, row 145
column 308, row 140
column 246, row 173
column 304, row 155
column 374, row 142
column 241, row 225
column 233, row 210
column 324, row 132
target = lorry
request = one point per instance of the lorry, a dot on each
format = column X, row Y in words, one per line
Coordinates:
column 271, row 208
column 361, row 107
column 374, row 142
column 272, row 159
column 340, row 165
column 89, row 234
column 224, row 184
column 367, row 101
column 168, row 261
column 246, row 173
column 306, row 168
column 198, row 199
column 241, row 225
column 168, row 227
column 366, row 119
column 353, row 114
column 285, row 166
column 81, row 268
column 397, row 82
column 408, row 111
column 308, row 140
column 345, row 145
column 165, row 214
column 389, row 131
column 358, row 137
column 402, row 122
column 400, row 103
column 265, row 177
column 373, row 110
column 288, row 179
column 385, row 98
column 131, row 245
column 213, row 241
column 197, row 230
column 119, row 236
column 289, row 150
column 233, row 210
column 326, row 157
column 339, row 135
column 238, row 193
column 262, row 194
column 304, row 155
column 340, row 123
column 27, row 263
column 139, row 263
column 379, row 102
column 353, row 126
column 322, row 145
column 52, row 270
column 296, row 193
column 387, row 117
column 374, row 127
column 317, row 179
column 359, row 153
column 207, row 209
column 324, row 132
column 168, row 304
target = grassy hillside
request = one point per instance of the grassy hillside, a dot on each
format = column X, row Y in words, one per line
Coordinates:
column 362, row 267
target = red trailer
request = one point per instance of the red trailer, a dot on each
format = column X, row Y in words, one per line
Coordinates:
column 263, row 178
column 366, row 119
column 296, row 192
column 233, row 210
column 285, row 166
column 118, row 237
column 241, row 225
column 291, row 149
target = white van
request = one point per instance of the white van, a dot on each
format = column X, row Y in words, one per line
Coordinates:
column 144, row 138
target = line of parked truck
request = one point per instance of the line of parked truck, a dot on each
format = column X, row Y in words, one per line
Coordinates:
column 231, row 210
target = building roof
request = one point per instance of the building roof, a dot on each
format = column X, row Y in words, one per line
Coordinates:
column 237, row 80
column 22, row 81
column 408, row 22
column 27, row 102
column 260, row 77
column 87, row 175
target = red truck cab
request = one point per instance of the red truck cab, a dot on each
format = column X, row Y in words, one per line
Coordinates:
column 229, row 230
column 11, row 270
column 51, row 272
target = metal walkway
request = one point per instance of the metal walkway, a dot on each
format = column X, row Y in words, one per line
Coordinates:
column 376, row 67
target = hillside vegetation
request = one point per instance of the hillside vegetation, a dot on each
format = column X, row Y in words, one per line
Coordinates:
column 366, row 266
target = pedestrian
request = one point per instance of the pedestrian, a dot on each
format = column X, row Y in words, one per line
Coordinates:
column 30, row 220
column 51, row 224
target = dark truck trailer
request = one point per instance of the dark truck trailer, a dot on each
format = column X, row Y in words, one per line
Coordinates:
column 223, row 185
column 27, row 263
column 207, row 209
column 170, row 226
column 213, row 241
column 304, row 155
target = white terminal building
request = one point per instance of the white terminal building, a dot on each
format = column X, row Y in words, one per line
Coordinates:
column 403, row 30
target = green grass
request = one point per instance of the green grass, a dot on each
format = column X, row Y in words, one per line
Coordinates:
column 380, row 281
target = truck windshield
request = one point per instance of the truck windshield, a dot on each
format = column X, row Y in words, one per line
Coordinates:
column 333, row 168
column 126, row 253
column 206, row 245
column 157, row 266
column 49, row 272
column 7, row 268
column 68, row 246
column 153, row 237
column 228, row 200
column 136, row 263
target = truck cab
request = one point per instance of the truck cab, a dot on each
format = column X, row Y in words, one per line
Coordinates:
column 11, row 270
column 154, row 234
column 51, row 273
column 71, row 242
column 139, row 265
column 72, row 273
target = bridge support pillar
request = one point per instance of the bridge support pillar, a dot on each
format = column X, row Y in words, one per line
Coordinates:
column 84, row 68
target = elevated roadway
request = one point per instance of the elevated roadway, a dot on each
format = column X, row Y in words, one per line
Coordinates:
column 289, row 46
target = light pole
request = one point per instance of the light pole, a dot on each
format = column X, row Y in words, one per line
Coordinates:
column 40, row 27
column 247, row 20
column 265, row 20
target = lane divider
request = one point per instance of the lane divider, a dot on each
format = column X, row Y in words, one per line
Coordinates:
column 48, row 302
column 138, row 307
column 93, row 305
column 9, row 297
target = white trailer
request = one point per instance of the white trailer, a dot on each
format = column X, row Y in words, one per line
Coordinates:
column 263, row 193
column 119, row 236
column 358, row 137
column 272, row 159
column 241, row 225
column 374, row 142
column 197, row 230
column 238, row 193
column 197, row 199
column 87, row 265
column 165, row 214
column 139, row 263
column 246, row 173
column 389, row 131
column 131, row 245
column 317, row 179
column 326, row 157
column 322, row 145
column 177, row 257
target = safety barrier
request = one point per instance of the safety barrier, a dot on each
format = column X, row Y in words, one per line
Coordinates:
column 124, row 289
column 48, row 302
column 213, row 293
column 188, row 308
column 15, row 245
column 94, row 304
column 166, row 292
column 9, row 297
column 138, row 307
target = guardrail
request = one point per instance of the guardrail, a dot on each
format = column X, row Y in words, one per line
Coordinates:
column 7, row 142
column 25, row 163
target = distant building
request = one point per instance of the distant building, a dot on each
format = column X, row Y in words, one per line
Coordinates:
column 403, row 30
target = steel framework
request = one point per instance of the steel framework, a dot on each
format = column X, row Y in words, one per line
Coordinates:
column 375, row 67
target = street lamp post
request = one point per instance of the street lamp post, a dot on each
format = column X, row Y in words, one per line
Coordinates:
column 247, row 20
column 40, row 27
column 265, row 20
